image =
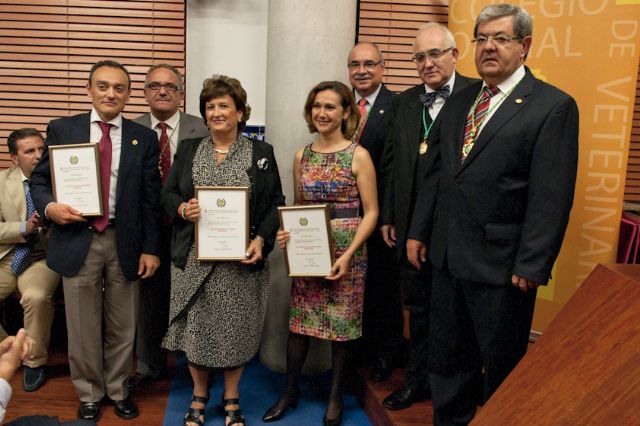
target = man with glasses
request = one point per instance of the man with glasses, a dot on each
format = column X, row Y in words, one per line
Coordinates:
column 164, row 92
column 506, row 150
column 414, row 113
column 382, row 317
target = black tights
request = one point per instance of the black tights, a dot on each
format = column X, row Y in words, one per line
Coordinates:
column 297, row 349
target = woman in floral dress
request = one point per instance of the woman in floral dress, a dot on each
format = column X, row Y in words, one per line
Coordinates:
column 335, row 171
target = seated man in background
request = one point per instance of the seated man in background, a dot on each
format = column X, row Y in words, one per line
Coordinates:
column 22, row 251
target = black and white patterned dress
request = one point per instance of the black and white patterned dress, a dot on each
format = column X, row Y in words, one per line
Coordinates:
column 217, row 308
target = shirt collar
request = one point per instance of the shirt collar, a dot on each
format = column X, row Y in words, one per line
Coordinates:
column 371, row 99
column 23, row 177
column 116, row 121
column 172, row 122
column 450, row 82
column 508, row 85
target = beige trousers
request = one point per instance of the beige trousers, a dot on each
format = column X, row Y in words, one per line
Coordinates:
column 36, row 284
column 101, row 307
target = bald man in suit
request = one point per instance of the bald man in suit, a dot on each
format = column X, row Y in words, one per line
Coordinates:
column 164, row 92
column 414, row 113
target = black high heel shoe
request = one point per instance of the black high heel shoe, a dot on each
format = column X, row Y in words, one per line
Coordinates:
column 193, row 414
column 235, row 416
column 274, row 413
column 333, row 422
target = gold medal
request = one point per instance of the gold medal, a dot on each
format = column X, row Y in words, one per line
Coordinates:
column 423, row 147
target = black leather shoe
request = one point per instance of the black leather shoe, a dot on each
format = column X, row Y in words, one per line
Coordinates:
column 381, row 370
column 138, row 382
column 126, row 408
column 404, row 397
column 89, row 410
column 274, row 413
column 33, row 378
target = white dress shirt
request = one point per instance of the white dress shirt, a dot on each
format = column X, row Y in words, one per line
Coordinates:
column 95, row 134
column 438, row 103
column 370, row 99
column 504, row 90
column 173, row 131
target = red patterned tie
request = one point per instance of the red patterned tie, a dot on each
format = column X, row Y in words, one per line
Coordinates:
column 104, row 147
column 165, row 153
column 480, row 112
column 362, row 106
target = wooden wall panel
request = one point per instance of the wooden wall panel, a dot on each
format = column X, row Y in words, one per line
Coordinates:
column 632, row 186
column 392, row 24
column 48, row 46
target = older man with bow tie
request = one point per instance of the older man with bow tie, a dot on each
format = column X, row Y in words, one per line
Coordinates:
column 414, row 112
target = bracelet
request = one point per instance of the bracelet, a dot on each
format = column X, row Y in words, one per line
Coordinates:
column 258, row 237
column 184, row 211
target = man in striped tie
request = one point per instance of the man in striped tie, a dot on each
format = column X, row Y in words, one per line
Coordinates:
column 22, row 252
column 507, row 151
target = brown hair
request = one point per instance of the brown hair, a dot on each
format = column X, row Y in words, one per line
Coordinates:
column 220, row 85
column 349, row 125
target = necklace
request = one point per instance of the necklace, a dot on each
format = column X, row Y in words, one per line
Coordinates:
column 220, row 151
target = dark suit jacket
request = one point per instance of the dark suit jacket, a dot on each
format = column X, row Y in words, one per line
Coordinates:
column 137, row 198
column 376, row 129
column 505, row 209
column 191, row 126
column 400, row 156
column 266, row 196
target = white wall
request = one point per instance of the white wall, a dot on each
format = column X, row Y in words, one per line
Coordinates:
column 228, row 37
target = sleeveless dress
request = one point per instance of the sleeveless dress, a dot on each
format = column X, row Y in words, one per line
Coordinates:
column 217, row 309
column 328, row 309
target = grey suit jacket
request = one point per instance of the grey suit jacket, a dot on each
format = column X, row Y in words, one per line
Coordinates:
column 191, row 126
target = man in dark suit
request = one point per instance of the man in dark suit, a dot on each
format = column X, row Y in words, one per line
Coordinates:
column 414, row 113
column 102, row 259
column 506, row 151
column 164, row 92
column 382, row 318
column 22, row 252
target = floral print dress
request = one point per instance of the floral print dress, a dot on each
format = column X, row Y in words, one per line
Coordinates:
column 331, row 310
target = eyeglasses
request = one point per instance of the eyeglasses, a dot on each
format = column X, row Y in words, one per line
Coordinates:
column 433, row 54
column 368, row 65
column 169, row 87
column 499, row 39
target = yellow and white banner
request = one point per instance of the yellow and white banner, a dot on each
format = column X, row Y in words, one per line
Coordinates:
column 589, row 49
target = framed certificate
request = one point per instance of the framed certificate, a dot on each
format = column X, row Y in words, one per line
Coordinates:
column 309, row 251
column 222, row 233
column 75, row 177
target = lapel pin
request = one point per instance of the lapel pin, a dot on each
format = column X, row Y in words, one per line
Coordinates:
column 518, row 101
column 381, row 111
column 134, row 142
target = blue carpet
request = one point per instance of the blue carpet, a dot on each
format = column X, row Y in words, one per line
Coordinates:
column 259, row 389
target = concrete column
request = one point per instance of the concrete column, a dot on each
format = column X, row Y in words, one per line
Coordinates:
column 308, row 41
